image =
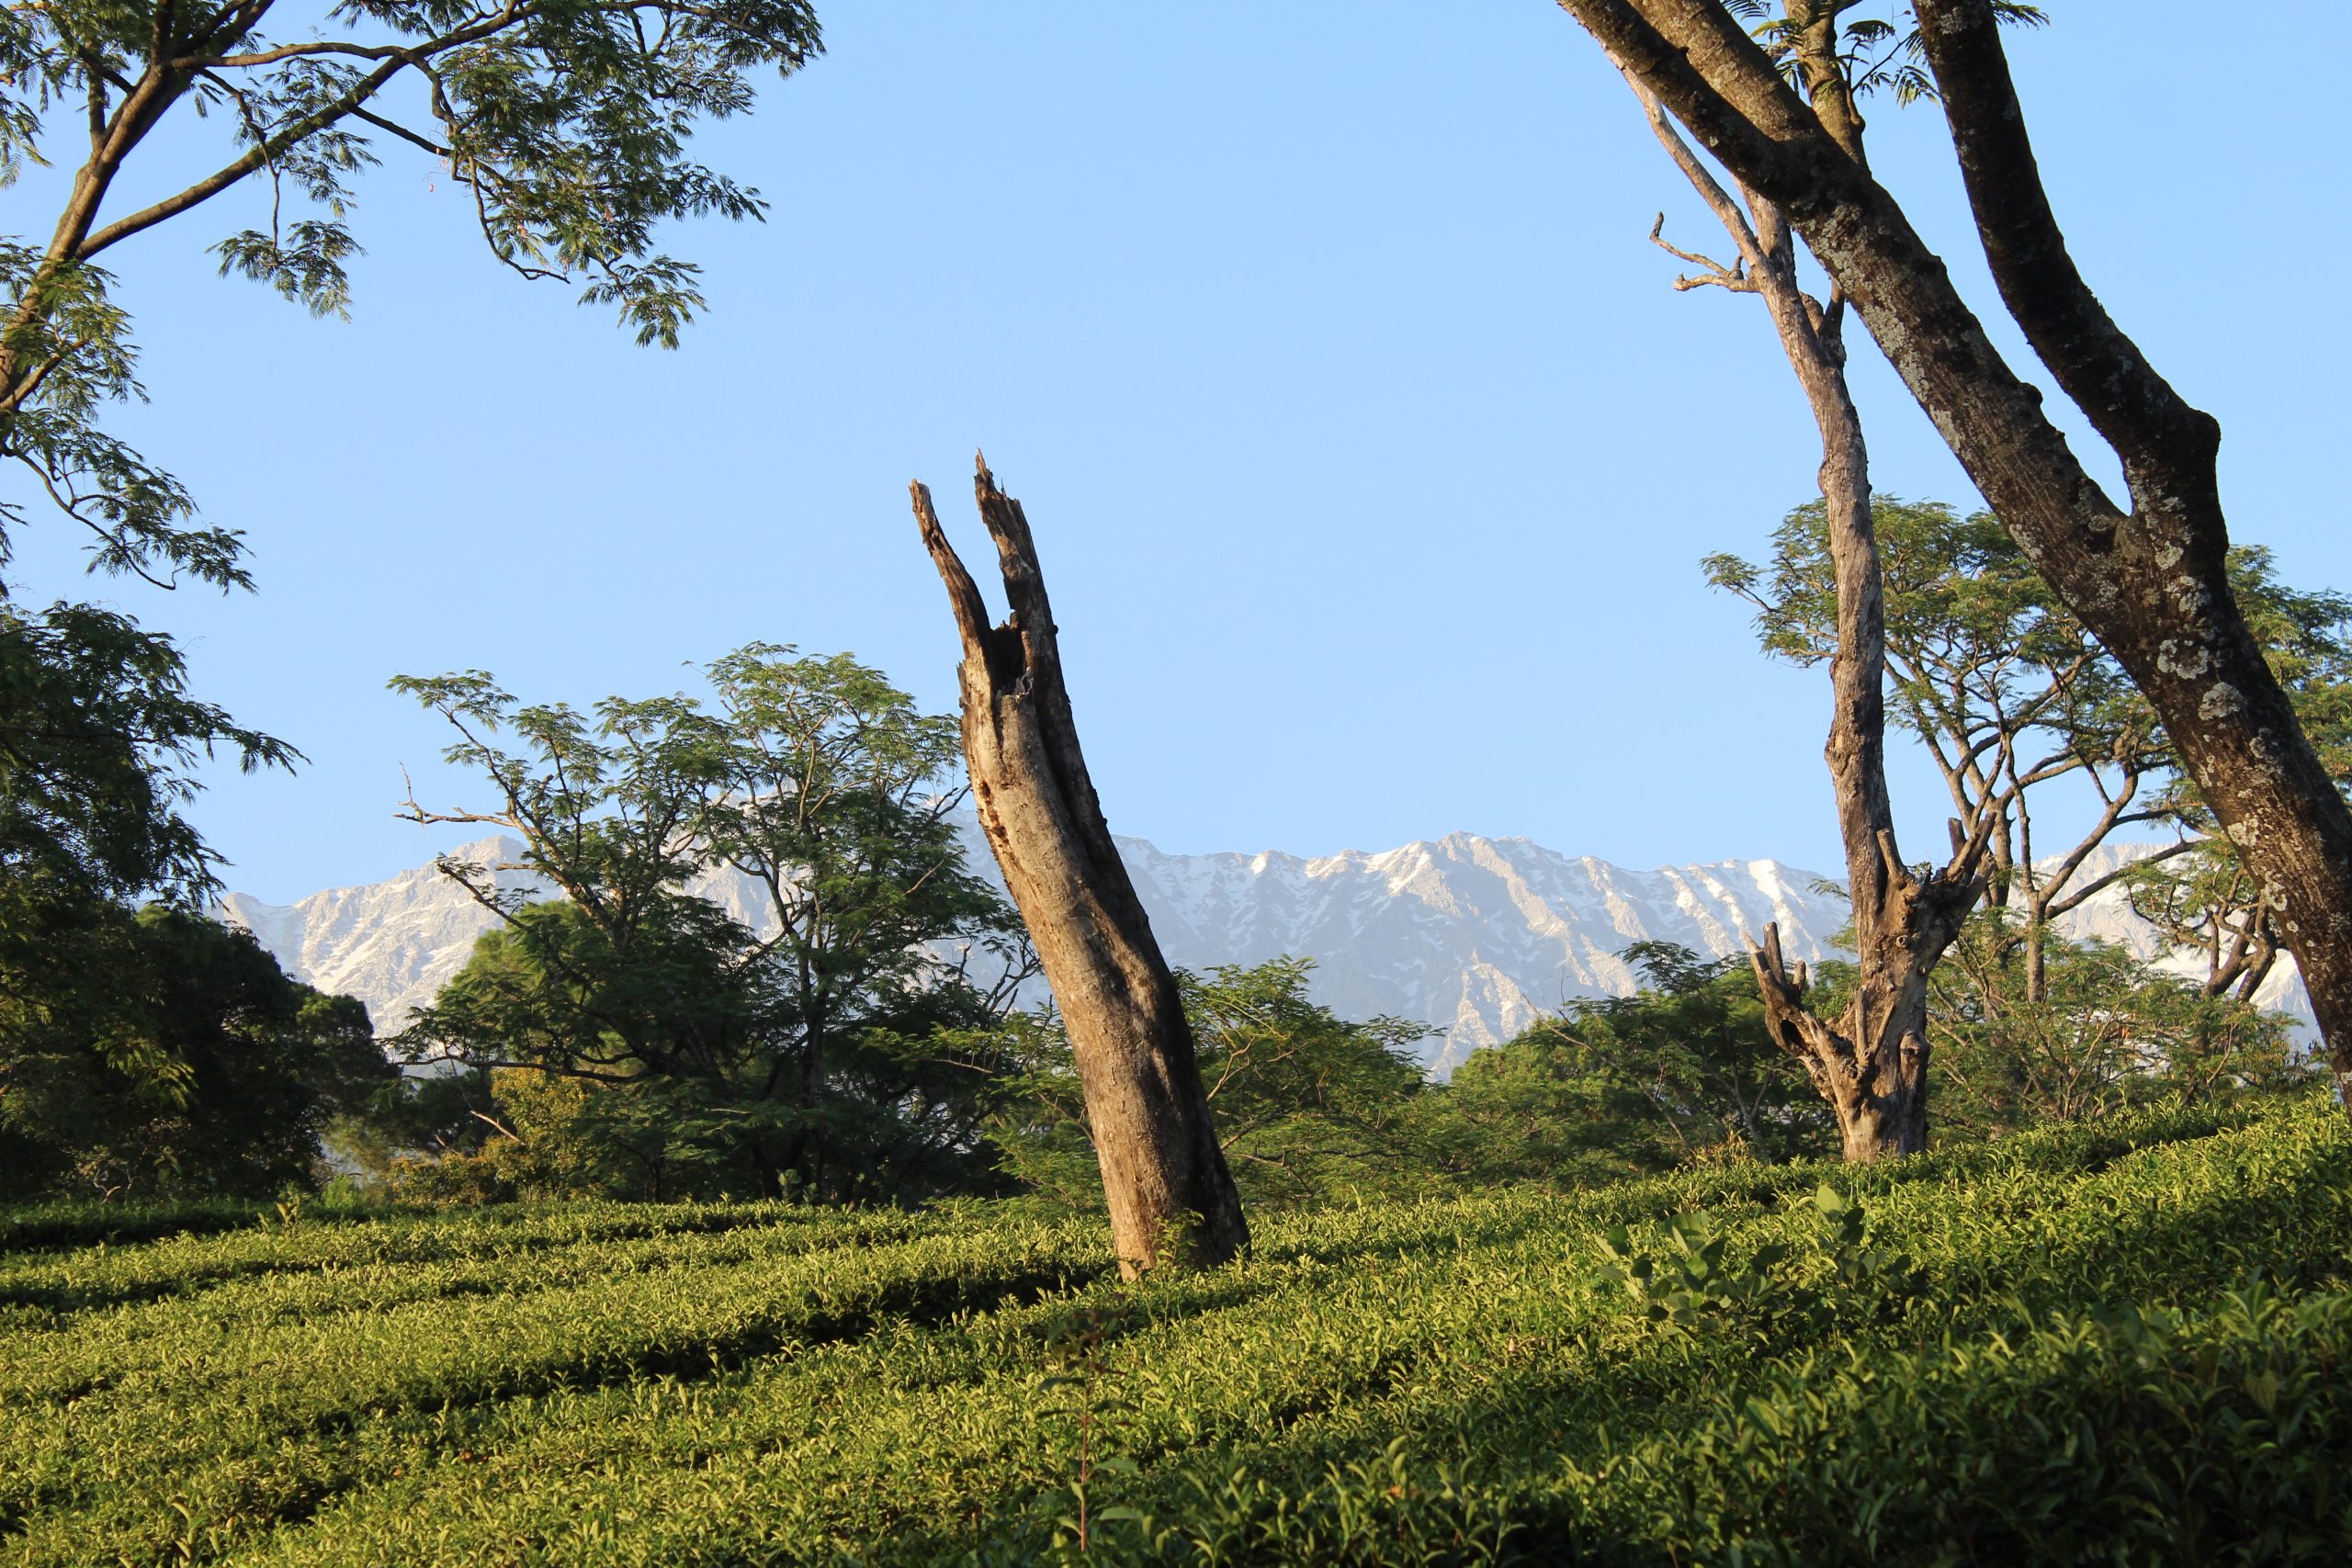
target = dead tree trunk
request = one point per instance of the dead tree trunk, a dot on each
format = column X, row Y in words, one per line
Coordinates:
column 1871, row 1062
column 2150, row 582
column 1172, row 1198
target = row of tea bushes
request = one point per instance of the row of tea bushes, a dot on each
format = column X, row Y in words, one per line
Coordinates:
column 2113, row 1343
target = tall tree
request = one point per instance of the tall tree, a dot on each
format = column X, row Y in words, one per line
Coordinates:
column 1171, row 1197
column 567, row 122
column 838, row 804
column 2011, row 697
column 1869, row 1059
column 2151, row 581
column 814, row 777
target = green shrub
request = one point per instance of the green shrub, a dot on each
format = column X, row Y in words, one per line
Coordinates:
column 2118, row 1342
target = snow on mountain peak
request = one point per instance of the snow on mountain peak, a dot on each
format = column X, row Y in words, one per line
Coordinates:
column 1471, row 935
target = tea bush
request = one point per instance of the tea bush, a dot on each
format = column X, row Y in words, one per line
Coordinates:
column 2119, row 1343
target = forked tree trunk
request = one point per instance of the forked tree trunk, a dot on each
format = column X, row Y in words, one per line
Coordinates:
column 1172, row 1198
column 1871, row 1062
column 2150, row 582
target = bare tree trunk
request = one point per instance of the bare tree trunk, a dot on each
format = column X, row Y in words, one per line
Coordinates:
column 1870, row 1063
column 2037, row 968
column 2152, row 582
column 1172, row 1198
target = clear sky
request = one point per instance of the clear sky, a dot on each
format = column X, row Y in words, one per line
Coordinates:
column 1370, row 455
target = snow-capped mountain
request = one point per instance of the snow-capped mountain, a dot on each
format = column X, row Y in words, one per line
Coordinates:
column 2108, row 916
column 390, row 944
column 1473, row 936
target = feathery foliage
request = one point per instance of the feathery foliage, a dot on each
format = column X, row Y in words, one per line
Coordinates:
column 567, row 121
column 823, row 1037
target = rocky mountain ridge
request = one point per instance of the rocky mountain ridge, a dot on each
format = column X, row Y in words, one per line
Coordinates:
column 1470, row 935
column 1473, row 936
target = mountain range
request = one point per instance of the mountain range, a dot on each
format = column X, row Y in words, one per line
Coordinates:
column 1471, row 936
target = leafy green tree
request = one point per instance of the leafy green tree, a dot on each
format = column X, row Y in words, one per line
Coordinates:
column 2103, row 1031
column 837, row 805
column 807, row 1030
column 1308, row 1107
column 2010, row 694
column 1684, row 1068
column 1535, row 1111
column 567, row 123
column 199, row 1069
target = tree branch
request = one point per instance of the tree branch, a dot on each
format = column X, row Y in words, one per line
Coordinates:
column 2134, row 408
column 237, row 169
column 1734, row 278
column 403, row 132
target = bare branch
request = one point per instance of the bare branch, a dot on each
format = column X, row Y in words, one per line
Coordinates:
column 1734, row 278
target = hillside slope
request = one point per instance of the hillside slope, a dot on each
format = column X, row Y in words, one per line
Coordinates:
column 2121, row 1343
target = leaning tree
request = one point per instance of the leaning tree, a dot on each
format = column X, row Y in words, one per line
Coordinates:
column 1171, row 1197
column 1869, row 1059
column 2150, row 580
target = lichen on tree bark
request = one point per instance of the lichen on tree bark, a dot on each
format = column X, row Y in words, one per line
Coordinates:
column 2152, row 581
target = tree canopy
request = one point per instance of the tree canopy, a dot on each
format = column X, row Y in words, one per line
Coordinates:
column 568, row 122
column 2010, row 693
column 819, row 786
column 160, row 1055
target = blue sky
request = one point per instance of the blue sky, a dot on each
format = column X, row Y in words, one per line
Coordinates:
column 1370, row 456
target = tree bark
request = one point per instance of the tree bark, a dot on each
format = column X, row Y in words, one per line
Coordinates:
column 2150, row 582
column 1870, row 1063
column 1172, row 1198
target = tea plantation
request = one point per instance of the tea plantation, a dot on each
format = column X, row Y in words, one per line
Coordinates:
column 2121, row 1343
